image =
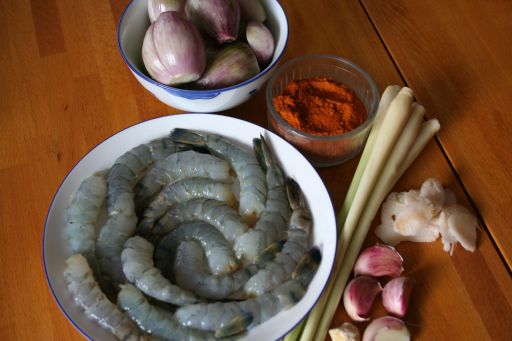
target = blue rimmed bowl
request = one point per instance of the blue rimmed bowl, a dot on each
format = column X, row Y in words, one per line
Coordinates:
column 130, row 33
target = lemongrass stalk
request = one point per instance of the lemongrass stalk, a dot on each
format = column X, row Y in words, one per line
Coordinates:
column 389, row 131
column 295, row 333
column 389, row 175
column 387, row 96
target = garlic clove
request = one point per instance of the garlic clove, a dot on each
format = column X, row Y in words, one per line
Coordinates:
column 346, row 332
column 396, row 295
column 359, row 295
column 457, row 224
column 386, row 328
column 379, row 260
column 432, row 189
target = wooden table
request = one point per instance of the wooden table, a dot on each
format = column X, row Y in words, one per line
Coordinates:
column 64, row 88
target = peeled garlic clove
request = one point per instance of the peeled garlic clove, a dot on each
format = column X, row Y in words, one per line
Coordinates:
column 261, row 41
column 386, row 328
column 233, row 63
column 346, row 332
column 157, row 7
column 457, row 224
column 173, row 50
column 433, row 190
column 396, row 294
column 379, row 260
column 217, row 18
column 359, row 295
column 253, row 10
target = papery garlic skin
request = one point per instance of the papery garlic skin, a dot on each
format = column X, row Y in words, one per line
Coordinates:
column 432, row 189
column 173, row 51
column 346, row 332
column 157, row 7
column 457, row 224
column 379, row 260
column 217, row 18
column 396, row 295
column 359, row 295
column 386, row 328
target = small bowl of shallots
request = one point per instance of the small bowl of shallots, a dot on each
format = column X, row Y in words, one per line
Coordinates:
column 324, row 105
column 202, row 55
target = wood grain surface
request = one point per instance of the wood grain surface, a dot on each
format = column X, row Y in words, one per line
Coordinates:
column 457, row 57
column 64, row 88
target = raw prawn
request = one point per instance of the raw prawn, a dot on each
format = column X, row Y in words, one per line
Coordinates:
column 155, row 321
column 178, row 166
column 122, row 221
column 88, row 295
column 221, row 259
column 214, row 212
column 191, row 272
column 273, row 221
column 230, row 318
column 137, row 259
column 249, row 173
column 83, row 212
column 278, row 270
column 181, row 191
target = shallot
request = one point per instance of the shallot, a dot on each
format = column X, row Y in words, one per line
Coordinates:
column 173, row 50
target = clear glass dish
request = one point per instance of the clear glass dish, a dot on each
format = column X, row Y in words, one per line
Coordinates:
column 323, row 151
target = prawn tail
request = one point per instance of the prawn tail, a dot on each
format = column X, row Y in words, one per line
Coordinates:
column 270, row 251
column 307, row 266
column 237, row 325
column 294, row 193
column 189, row 137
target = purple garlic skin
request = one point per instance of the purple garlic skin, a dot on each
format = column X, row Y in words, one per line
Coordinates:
column 253, row 10
column 396, row 295
column 173, row 50
column 218, row 19
column 359, row 295
column 233, row 63
column 261, row 41
column 157, row 7
column 379, row 260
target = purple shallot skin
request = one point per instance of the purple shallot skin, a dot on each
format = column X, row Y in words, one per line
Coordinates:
column 173, row 50
column 219, row 19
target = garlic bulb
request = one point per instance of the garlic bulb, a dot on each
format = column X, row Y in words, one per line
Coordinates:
column 396, row 294
column 156, row 7
column 173, row 50
column 359, row 295
column 421, row 216
column 386, row 328
column 379, row 260
column 217, row 18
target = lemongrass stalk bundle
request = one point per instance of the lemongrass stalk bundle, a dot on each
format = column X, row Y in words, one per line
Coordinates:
column 387, row 96
column 388, row 177
column 388, row 132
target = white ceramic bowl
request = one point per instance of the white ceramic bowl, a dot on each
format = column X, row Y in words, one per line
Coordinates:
column 56, row 250
column 130, row 34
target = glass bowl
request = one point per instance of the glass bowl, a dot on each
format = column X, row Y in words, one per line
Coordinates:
column 323, row 151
